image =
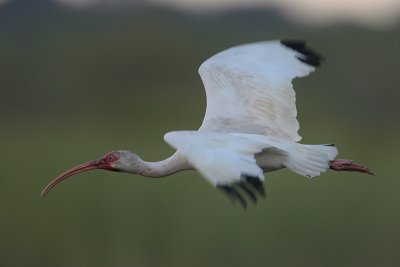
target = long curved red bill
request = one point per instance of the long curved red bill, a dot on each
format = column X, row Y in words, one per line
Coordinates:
column 91, row 165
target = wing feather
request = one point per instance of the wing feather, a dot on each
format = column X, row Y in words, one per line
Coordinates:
column 249, row 88
column 222, row 159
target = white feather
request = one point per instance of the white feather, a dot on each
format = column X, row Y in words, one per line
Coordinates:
column 250, row 124
column 306, row 160
column 310, row 160
column 224, row 158
column 249, row 90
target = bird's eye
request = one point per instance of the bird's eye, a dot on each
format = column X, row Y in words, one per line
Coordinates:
column 110, row 157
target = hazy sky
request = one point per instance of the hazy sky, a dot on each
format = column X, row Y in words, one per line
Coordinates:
column 369, row 12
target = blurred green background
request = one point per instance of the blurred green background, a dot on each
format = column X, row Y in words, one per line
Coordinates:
column 78, row 83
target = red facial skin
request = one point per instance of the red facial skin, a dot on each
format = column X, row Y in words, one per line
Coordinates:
column 102, row 163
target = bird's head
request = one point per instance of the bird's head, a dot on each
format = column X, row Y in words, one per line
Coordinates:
column 119, row 161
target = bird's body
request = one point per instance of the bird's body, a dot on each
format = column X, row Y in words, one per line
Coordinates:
column 249, row 128
column 223, row 158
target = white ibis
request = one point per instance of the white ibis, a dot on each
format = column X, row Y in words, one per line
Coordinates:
column 249, row 128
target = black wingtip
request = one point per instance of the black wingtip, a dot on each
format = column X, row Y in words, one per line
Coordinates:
column 233, row 194
column 309, row 56
column 249, row 185
column 256, row 183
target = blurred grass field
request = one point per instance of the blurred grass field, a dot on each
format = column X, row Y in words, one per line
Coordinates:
column 78, row 84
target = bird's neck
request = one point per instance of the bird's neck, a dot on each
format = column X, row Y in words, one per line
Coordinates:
column 173, row 164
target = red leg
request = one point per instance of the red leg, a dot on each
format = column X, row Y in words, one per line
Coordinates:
column 349, row 165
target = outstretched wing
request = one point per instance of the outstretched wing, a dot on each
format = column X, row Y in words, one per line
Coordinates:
column 249, row 88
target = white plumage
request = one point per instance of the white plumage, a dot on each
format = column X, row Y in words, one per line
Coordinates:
column 249, row 90
column 250, row 124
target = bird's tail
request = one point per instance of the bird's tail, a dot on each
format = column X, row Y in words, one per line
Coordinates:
column 310, row 160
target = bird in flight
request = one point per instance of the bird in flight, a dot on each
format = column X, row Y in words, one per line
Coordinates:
column 249, row 127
